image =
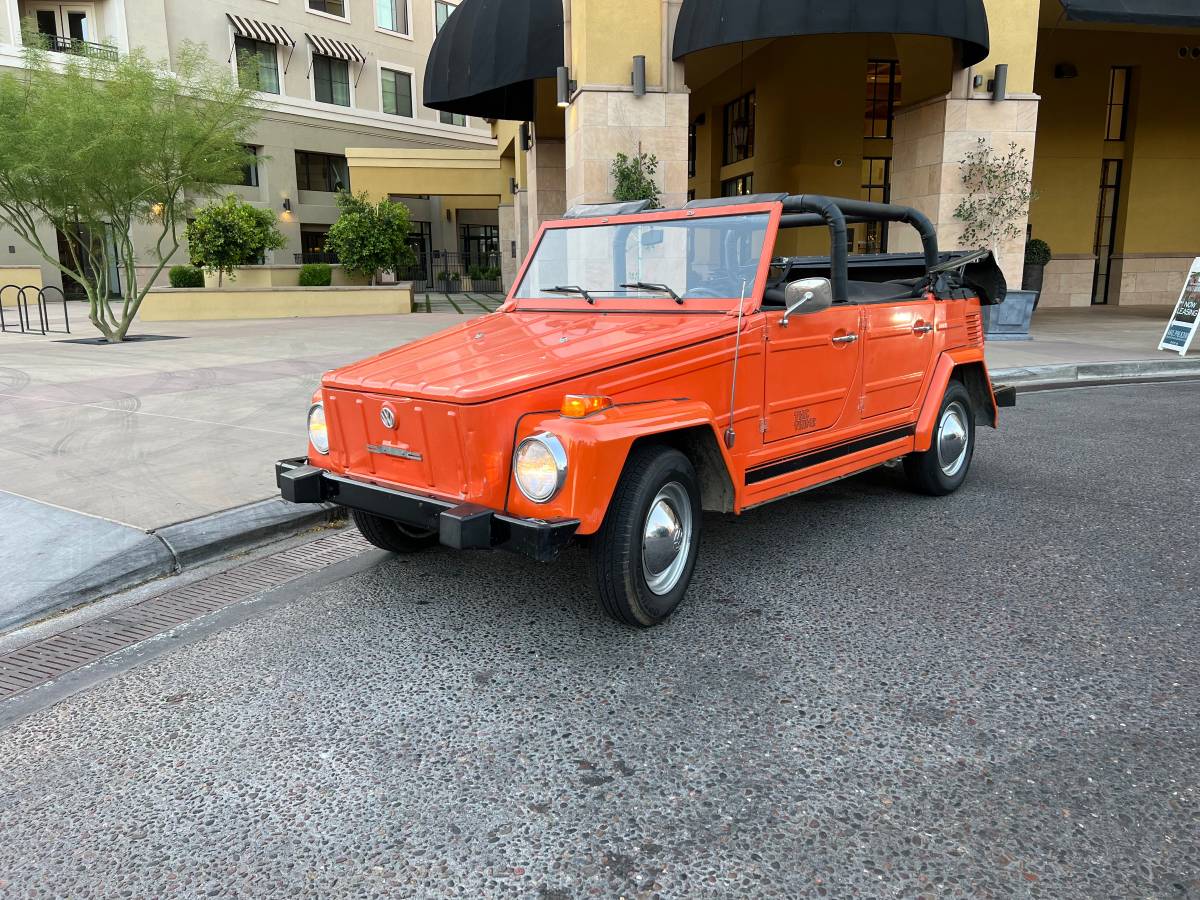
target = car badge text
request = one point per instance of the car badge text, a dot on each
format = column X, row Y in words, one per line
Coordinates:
column 387, row 450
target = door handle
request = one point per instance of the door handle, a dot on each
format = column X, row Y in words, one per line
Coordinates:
column 922, row 328
column 845, row 339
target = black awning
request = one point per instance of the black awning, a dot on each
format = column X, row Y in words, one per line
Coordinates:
column 486, row 58
column 1180, row 13
column 335, row 48
column 246, row 27
column 712, row 23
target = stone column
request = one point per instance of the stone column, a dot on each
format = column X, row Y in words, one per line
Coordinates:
column 603, row 123
column 931, row 138
column 546, row 175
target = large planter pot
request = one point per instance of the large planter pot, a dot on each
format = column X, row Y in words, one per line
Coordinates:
column 1009, row 321
column 1032, row 281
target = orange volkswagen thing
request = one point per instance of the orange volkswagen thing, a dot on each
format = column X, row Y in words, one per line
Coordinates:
column 649, row 366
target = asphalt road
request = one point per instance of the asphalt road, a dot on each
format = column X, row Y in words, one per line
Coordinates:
column 868, row 693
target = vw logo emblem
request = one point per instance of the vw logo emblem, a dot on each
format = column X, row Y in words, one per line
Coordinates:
column 387, row 417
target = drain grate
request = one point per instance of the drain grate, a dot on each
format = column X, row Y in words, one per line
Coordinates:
column 49, row 658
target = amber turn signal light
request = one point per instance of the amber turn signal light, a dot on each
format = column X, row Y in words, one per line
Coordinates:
column 576, row 406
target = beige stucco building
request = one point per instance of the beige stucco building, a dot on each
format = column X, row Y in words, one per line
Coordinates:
column 333, row 74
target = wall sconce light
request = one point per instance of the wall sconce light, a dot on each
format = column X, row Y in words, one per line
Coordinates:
column 638, row 78
column 977, row 82
column 512, row 185
column 1065, row 70
column 526, row 137
column 701, row 119
column 287, row 204
column 566, row 87
column 1000, row 83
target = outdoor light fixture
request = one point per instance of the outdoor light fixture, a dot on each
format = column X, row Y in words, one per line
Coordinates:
column 1000, row 83
column 566, row 87
column 287, row 205
column 639, row 76
column 740, row 131
column 526, row 137
column 512, row 185
column 1065, row 70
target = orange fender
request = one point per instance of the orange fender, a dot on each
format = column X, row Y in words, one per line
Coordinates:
column 597, row 447
column 967, row 358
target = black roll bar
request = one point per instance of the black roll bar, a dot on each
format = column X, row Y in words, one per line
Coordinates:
column 807, row 210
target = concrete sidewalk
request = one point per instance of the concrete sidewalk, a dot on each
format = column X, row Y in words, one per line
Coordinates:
column 121, row 462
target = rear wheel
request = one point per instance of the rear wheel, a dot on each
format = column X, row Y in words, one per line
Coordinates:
column 644, row 553
column 943, row 467
column 392, row 536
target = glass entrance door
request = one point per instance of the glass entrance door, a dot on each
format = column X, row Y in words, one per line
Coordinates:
column 1106, row 228
column 64, row 24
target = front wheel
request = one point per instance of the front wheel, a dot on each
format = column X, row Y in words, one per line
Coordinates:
column 943, row 467
column 392, row 536
column 644, row 553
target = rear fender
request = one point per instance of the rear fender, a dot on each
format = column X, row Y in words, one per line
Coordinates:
column 598, row 445
column 965, row 364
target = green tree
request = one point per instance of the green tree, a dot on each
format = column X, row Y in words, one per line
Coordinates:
column 99, row 147
column 369, row 237
column 635, row 177
column 998, row 192
column 229, row 234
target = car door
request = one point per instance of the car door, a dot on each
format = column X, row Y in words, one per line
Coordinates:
column 811, row 371
column 898, row 341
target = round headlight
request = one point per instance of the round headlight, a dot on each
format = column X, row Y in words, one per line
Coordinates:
column 318, row 431
column 540, row 465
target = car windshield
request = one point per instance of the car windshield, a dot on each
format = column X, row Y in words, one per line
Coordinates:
column 681, row 259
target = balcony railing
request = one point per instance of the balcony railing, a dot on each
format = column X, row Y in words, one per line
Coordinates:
column 77, row 47
column 310, row 256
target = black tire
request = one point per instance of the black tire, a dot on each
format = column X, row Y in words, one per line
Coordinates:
column 392, row 536
column 940, row 473
column 652, row 473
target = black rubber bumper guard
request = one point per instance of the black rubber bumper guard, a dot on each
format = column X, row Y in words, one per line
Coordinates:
column 462, row 526
column 1005, row 394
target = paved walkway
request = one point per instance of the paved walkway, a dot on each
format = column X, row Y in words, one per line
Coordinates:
column 104, row 443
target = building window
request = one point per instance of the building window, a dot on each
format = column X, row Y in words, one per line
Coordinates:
column 1118, row 103
column 739, row 129
column 883, row 96
column 441, row 12
column 1106, row 228
column 331, row 80
column 479, row 243
column 312, row 245
column 397, row 92
column 741, row 186
column 448, row 118
column 321, row 172
column 876, row 187
column 331, row 7
column 257, row 65
column 392, row 15
column 691, row 150
column 250, row 170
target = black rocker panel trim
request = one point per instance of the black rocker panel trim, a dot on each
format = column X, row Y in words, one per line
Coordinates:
column 825, row 454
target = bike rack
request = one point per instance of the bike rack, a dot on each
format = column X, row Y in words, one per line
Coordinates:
column 25, row 323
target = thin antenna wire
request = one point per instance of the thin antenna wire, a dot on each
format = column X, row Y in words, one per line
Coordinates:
column 730, row 434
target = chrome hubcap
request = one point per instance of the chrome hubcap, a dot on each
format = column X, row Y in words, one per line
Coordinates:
column 952, row 439
column 667, row 538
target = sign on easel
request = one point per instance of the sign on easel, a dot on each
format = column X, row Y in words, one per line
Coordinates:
column 1182, row 327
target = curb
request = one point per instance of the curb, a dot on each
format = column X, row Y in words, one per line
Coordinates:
column 130, row 558
column 1029, row 378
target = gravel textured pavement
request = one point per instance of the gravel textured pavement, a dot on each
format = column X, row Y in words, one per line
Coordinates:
column 868, row 693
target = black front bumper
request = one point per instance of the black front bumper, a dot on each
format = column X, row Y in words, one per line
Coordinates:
column 463, row 526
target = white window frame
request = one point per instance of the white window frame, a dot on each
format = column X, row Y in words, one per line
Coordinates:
column 324, row 15
column 407, row 35
column 433, row 9
column 380, row 65
column 312, row 81
column 233, row 62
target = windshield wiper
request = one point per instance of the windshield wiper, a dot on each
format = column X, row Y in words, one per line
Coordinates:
column 651, row 286
column 569, row 289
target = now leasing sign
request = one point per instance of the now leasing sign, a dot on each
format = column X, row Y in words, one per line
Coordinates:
column 1182, row 327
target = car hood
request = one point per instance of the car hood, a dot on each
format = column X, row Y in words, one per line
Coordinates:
column 506, row 353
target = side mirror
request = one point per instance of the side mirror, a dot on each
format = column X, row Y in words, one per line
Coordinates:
column 807, row 295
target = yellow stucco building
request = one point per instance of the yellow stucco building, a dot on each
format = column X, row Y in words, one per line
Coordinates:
column 864, row 98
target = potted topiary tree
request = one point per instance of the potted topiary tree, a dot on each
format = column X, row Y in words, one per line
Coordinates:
column 1037, row 255
column 229, row 234
column 998, row 193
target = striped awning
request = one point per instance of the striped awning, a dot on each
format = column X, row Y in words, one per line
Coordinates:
column 260, row 31
column 339, row 49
